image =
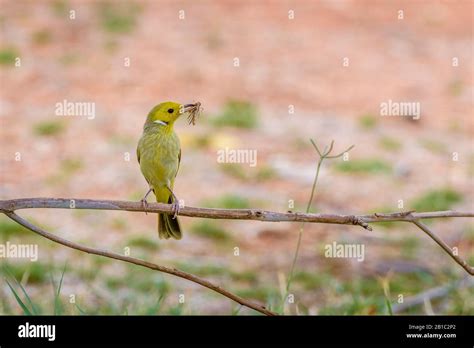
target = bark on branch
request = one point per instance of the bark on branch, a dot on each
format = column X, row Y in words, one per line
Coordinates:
column 230, row 214
column 8, row 207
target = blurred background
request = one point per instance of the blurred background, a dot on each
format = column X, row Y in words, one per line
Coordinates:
column 270, row 76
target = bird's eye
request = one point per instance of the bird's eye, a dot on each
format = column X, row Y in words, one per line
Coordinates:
column 170, row 111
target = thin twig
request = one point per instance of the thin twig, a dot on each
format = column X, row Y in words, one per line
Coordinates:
column 301, row 229
column 432, row 294
column 445, row 247
column 139, row 262
column 355, row 221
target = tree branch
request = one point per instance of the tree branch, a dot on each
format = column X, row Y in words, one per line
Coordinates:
column 9, row 206
column 139, row 262
column 232, row 214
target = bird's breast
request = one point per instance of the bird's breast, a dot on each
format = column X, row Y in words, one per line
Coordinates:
column 159, row 154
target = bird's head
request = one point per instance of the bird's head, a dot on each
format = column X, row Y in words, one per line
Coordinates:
column 166, row 113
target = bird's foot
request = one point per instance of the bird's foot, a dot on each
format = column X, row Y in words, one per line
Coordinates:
column 144, row 201
column 175, row 205
column 144, row 205
column 175, row 208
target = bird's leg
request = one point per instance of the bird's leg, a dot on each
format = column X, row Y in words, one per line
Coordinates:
column 175, row 205
column 144, row 201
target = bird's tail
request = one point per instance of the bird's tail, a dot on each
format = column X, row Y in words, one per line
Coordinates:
column 168, row 227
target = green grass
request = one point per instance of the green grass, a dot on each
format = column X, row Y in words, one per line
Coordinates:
column 266, row 173
column 67, row 168
column 88, row 272
column 244, row 276
column 441, row 199
column 58, row 306
column 7, row 56
column 409, row 247
column 366, row 295
column 118, row 18
column 202, row 270
column 156, row 308
column 355, row 296
column 469, row 233
column 310, row 280
column 153, row 284
column 143, row 281
column 42, row 37
column 48, row 128
column 70, row 166
column 229, row 201
column 367, row 121
column 470, row 260
column 234, row 170
column 239, row 114
column 36, row 306
column 15, row 233
column 132, row 291
column 143, row 243
column 28, row 306
column 434, row 146
column 35, row 272
column 59, row 7
column 370, row 291
column 390, row 144
column 9, row 228
column 177, row 309
column 207, row 270
column 364, row 166
column 412, row 283
column 211, row 230
column 261, row 293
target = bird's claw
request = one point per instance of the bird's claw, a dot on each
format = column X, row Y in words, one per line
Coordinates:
column 175, row 208
column 144, row 205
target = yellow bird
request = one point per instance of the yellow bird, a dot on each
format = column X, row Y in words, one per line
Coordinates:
column 159, row 155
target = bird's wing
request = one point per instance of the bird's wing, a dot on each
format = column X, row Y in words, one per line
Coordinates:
column 138, row 158
column 179, row 161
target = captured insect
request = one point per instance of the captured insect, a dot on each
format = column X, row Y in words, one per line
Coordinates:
column 193, row 110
